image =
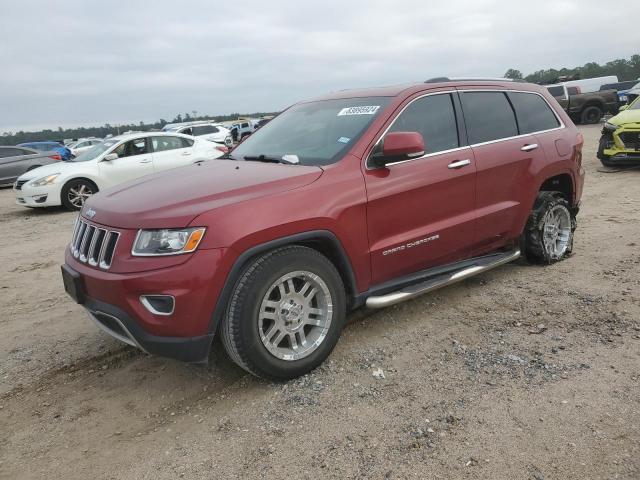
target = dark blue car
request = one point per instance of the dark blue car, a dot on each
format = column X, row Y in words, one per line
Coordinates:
column 64, row 152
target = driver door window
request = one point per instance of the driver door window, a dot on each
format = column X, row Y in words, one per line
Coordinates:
column 132, row 148
column 434, row 118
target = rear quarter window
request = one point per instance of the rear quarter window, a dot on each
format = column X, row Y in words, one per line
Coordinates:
column 533, row 113
column 488, row 116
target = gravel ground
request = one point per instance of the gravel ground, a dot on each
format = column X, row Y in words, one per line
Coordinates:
column 524, row 372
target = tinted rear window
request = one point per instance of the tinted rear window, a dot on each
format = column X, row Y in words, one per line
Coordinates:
column 556, row 91
column 488, row 116
column 533, row 113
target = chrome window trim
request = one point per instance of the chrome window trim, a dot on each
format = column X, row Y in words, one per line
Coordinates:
column 443, row 152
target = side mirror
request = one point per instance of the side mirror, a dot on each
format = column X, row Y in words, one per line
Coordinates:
column 623, row 107
column 110, row 157
column 398, row 146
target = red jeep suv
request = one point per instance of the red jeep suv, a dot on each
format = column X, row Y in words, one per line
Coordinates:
column 366, row 197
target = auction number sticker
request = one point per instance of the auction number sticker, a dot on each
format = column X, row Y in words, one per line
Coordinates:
column 364, row 110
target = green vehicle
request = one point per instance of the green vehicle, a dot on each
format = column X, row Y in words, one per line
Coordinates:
column 620, row 141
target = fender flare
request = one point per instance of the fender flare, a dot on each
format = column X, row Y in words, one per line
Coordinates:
column 345, row 267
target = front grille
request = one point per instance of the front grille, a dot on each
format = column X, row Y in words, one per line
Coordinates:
column 631, row 140
column 93, row 245
column 20, row 183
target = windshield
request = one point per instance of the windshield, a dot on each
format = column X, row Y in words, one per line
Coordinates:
column 635, row 105
column 95, row 151
column 317, row 133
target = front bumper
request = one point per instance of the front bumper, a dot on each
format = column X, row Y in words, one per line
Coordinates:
column 623, row 147
column 121, row 326
column 114, row 302
column 28, row 196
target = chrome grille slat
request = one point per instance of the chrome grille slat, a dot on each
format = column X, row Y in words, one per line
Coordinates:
column 93, row 245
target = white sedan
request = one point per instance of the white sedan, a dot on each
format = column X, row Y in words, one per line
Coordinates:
column 83, row 145
column 113, row 161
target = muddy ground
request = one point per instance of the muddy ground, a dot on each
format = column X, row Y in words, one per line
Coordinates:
column 522, row 373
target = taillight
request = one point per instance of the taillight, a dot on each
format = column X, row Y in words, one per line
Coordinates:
column 56, row 157
column 222, row 148
column 577, row 150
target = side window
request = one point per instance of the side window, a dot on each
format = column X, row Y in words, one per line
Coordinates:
column 557, row 91
column 245, row 125
column 433, row 117
column 573, row 90
column 203, row 130
column 186, row 143
column 533, row 113
column 12, row 152
column 488, row 116
column 132, row 148
column 162, row 144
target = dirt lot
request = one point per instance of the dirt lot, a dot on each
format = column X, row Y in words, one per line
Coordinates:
column 522, row 373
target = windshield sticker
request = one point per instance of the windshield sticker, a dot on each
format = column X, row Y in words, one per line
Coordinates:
column 364, row 110
column 344, row 139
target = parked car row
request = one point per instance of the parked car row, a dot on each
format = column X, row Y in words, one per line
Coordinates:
column 109, row 163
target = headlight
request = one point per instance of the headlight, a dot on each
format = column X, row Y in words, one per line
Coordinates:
column 167, row 241
column 48, row 180
column 611, row 127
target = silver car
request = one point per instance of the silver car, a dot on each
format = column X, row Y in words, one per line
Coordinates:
column 14, row 161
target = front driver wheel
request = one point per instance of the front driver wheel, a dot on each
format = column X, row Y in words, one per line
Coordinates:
column 76, row 192
column 286, row 314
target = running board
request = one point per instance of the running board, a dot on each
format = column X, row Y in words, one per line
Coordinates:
column 433, row 283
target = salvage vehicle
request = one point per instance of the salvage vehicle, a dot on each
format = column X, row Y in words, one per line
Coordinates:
column 59, row 148
column 367, row 197
column 620, row 140
column 82, row 145
column 115, row 160
column 621, row 88
column 14, row 161
column 586, row 108
column 205, row 130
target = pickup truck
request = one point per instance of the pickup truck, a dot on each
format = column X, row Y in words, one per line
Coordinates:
column 586, row 108
column 362, row 197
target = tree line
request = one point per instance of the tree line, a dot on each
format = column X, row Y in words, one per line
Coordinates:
column 624, row 69
column 14, row 138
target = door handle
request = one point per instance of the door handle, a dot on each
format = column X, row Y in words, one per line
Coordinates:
column 528, row 148
column 145, row 160
column 459, row 164
column 186, row 153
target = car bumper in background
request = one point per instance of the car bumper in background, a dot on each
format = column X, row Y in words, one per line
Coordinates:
column 37, row 196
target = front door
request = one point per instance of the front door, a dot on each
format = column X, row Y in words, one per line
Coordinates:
column 420, row 212
column 134, row 160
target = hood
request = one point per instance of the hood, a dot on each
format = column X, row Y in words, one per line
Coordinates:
column 55, row 167
column 626, row 117
column 175, row 197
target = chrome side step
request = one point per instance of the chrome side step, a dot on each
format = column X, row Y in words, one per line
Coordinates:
column 433, row 283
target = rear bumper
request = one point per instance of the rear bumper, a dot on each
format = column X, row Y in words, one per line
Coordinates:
column 121, row 326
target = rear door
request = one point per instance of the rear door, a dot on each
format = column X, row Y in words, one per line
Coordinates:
column 171, row 152
column 420, row 212
column 134, row 160
column 505, row 159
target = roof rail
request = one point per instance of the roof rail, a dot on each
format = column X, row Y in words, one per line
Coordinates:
column 464, row 79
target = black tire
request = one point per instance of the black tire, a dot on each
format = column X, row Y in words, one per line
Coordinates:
column 591, row 114
column 534, row 247
column 76, row 184
column 240, row 332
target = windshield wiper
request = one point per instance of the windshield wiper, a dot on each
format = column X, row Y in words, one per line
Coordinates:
column 286, row 159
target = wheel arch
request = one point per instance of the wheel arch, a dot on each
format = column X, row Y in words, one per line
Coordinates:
column 562, row 183
column 79, row 177
column 323, row 241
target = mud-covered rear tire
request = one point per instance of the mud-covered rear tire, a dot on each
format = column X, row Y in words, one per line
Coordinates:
column 592, row 114
column 548, row 236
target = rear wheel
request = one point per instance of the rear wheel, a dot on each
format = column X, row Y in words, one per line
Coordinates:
column 550, row 229
column 76, row 192
column 286, row 314
column 591, row 114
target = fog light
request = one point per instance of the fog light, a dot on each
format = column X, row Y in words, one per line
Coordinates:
column 40, row 198
column 159, row 304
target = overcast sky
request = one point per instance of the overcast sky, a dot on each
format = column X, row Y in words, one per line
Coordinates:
column 85, row 62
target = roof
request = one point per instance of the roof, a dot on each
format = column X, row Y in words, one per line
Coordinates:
column 411, row 88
